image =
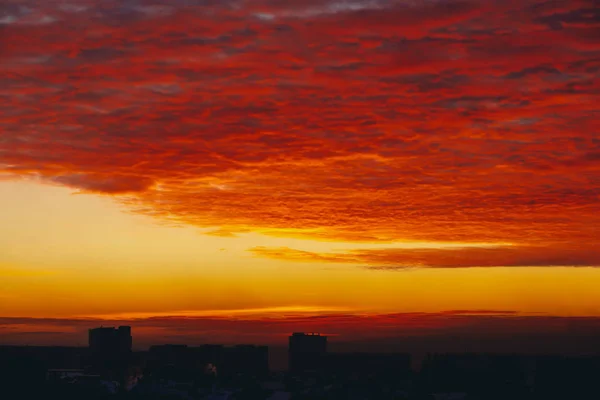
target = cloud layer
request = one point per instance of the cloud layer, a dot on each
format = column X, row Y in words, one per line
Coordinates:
column 390, row 259
column 437, row 120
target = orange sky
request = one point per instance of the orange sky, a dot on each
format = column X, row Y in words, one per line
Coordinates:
column 332, row 157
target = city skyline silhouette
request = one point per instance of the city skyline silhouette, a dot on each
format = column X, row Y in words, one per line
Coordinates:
column 299, row 199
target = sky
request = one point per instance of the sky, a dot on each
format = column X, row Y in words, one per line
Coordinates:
column 237, row 170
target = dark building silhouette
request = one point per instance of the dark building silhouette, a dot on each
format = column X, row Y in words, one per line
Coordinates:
column 31, row 363
column 245, row 359
column 109, row 367
column 385, row 365
column 24, row 369
column 188, row 363
column 502, row 376
column 169, row 354
column 102, row 340
column 490, row 376
column 174, row 362
column 110, row 350
column 306, row 352
column 559, row 377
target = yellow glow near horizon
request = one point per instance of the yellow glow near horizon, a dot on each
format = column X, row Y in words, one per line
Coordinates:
column 72, row 255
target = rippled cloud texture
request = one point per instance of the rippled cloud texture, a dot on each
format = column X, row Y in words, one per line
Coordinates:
column 367, row 121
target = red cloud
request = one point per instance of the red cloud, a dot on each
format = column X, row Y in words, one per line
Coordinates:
column 105, row 184
column 459, row 121
column 389, row 259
